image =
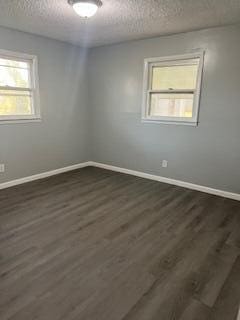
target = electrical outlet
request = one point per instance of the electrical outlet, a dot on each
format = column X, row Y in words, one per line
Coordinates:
column 2, row 167
column 164, row 163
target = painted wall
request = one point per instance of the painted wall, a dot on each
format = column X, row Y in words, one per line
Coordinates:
column 61, row 138
column 208, row 154
column 91, row 110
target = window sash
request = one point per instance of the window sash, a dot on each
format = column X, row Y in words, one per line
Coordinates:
column 6, row 82
column 170, row 107
column 148, row 116
column 30, row 65
column 169, row 64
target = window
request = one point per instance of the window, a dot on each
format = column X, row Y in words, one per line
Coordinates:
column 19, row 100
column 172, row 89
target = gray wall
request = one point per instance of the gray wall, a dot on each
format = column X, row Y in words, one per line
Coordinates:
column 208, row 154
column 91, row 110
column 61, row 138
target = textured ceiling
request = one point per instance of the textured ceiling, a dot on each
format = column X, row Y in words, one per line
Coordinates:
column 117, row 20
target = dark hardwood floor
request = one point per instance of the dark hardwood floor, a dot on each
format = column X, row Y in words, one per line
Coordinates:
column 99, row 245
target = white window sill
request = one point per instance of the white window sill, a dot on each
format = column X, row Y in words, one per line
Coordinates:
column 17, row 121
column 193, row 124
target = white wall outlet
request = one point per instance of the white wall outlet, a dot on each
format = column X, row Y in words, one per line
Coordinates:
column 2, row 167
column 164, row 163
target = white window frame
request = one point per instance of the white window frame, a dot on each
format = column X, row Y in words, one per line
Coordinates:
column 34, row 90
column 147, row 77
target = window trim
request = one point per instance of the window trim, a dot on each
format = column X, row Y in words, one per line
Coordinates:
column 34, row 81
column 149, row 63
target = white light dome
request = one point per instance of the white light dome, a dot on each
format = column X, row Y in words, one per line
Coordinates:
column 85, row 9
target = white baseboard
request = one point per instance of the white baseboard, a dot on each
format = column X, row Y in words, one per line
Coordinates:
column 188, row 185
column 42, row 175
column 217, row 192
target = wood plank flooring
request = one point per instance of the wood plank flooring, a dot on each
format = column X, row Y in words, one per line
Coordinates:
column 93, row 244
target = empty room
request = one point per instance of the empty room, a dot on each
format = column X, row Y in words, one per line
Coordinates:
column 120, row 160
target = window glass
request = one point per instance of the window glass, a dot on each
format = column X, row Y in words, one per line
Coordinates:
column 171, row 105
column 174, row 77
column 15, row 103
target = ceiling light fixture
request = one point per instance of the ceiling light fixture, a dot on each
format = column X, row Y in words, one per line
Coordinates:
column 85, row 8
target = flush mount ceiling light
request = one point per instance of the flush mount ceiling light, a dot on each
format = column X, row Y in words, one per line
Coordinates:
column 85, row 8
